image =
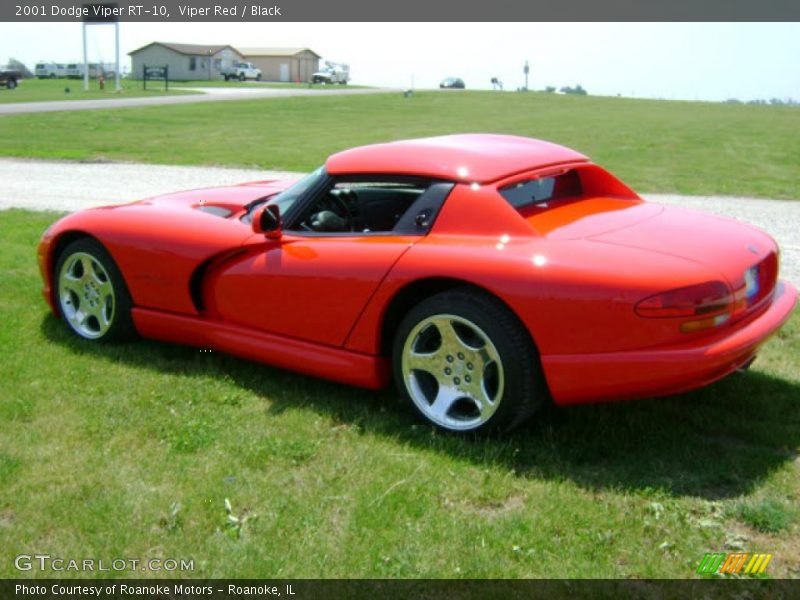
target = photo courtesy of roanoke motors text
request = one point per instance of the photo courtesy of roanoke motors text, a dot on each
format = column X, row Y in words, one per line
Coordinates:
column 446, row 300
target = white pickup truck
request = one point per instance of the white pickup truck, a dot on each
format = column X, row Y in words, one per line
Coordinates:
column 242, row 71
column 332, row 73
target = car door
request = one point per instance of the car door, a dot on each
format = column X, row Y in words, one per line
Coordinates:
column 313, row 286
column 307, row 287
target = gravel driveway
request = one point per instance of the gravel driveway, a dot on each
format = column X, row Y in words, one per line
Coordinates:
column 210, row 94
column 68, row 186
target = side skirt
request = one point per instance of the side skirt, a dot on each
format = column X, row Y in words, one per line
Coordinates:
column 344, row 366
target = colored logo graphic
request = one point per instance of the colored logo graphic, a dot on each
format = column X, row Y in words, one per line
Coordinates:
column 737, row 563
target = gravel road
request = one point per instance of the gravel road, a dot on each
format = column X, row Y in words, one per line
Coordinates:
column 210, row 94
column 68, row 186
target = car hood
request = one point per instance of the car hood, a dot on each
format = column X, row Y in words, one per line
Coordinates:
column 232, row 198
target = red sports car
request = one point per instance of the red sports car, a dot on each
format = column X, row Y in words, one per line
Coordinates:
column 487, row 274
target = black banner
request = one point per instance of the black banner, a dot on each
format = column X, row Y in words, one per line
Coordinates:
column 101, row 12
column 311, row 589
column 408, row 10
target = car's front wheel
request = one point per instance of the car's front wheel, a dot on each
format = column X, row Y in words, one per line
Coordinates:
column 466, row 364
column 11, row 84
column 92, row 296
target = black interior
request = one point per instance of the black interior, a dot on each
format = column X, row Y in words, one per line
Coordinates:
column 361, row 208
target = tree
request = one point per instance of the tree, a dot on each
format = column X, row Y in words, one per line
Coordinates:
column 16, row 65
column 577, row 90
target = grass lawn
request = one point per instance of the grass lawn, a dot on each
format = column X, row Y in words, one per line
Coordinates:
column 132, row 450
column 655, row 146
column 40, row 90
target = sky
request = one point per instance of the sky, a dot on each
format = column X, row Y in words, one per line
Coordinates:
column 689, row 61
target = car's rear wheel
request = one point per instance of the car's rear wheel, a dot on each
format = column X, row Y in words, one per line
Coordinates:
column 241, row 77
column 92, row 296
column 465, row 363
column 11, row 84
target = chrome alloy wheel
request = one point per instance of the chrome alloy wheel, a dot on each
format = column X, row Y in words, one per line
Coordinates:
column 452, row 371
column 86, row 295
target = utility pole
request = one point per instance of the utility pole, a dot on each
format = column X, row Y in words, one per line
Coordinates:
column 117, row 86
column 527, row 70
column 107, row 16
column 85, row 62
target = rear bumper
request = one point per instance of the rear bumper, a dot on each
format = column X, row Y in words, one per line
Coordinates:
column 582, row 378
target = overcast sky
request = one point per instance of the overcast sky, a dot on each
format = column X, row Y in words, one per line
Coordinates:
column 704, row 61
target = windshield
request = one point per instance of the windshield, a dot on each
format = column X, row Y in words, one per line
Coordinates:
column 287, row 197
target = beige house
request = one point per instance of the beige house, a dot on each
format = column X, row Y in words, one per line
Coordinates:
column 185, row 61
column 283, row 64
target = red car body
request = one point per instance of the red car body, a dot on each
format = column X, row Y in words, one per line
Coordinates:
column 586, row 274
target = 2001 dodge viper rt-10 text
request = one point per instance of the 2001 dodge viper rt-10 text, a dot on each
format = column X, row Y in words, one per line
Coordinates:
column 487, row 274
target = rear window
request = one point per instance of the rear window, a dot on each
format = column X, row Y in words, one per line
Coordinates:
column 540, row 191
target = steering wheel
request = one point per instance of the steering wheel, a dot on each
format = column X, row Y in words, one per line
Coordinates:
column 335, row 217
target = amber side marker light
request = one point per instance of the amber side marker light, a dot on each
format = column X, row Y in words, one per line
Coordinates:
column 712, row 301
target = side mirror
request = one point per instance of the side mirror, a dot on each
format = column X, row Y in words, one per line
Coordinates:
column 267, row 221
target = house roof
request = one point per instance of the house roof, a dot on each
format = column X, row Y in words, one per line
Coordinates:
column 477, row 158
column 275, row 51
column 188, row 49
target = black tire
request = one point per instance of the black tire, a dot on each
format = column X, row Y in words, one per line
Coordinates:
column 241, row 77
column 119, row 324
column 11, row 84
column 258, row 77
column 226, row 77
column 523, row 388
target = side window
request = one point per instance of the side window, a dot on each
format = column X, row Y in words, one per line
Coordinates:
column 375, row 206
column 192, row 63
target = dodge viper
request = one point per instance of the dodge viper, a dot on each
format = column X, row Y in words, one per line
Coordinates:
column 485, row 274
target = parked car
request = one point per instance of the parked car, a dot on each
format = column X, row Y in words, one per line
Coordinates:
column 242, row 71
column 452, row 83
column 50, row 70
column 9, row 78
column 486, row 274
column 332, row 73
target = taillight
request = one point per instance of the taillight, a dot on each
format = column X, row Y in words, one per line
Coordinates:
column 702, row 300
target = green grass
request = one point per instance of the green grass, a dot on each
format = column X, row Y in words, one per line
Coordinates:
column 131, row 451
column 655, row 146
column 41, row 90
column 768, row 515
